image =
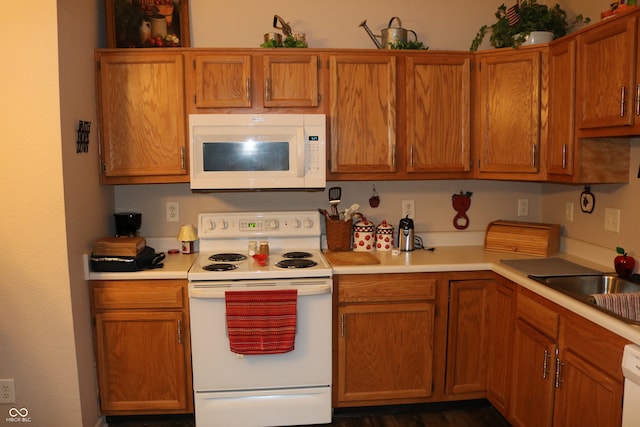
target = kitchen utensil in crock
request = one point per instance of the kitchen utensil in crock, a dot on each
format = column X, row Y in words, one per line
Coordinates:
column 335, row 193
column 350, row 211
column 406, row 241
column 127, row 223
column 390, row 35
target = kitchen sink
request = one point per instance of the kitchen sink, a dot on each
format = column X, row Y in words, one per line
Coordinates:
column 583, row 287
column 588, row 285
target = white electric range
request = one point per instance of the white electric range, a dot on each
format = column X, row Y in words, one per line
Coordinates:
column 291, row 388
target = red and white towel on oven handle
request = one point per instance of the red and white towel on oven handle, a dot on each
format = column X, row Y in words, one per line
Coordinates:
column 261, row 322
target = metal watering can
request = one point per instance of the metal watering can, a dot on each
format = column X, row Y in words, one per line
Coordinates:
column 390, row 35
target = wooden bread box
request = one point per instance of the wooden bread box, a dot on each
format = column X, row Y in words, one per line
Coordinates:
column 530, row 238
column 118, row 246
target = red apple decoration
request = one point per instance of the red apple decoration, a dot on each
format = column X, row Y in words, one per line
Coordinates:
column 623, row 263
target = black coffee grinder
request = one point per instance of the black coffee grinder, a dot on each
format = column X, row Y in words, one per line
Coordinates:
column 127, row 223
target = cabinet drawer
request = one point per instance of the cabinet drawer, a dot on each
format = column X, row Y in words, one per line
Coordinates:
column 543, row 318
column 593, row 343
column 386, row 287
column 138, row 294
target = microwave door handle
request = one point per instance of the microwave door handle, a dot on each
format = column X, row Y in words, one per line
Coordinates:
column 302, row 148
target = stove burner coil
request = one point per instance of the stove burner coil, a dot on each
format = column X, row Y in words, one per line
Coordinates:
column 296, row 263
column 297, row 255
column 227, row 257
column 220, row 267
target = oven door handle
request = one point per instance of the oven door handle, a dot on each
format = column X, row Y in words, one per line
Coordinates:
column 306, row 290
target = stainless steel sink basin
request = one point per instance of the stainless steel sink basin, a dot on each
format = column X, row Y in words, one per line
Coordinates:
column 588, row 285
column 583, row 287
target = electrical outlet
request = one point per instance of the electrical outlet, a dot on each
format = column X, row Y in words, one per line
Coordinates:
column 7, row 391
column 568, row 212
column 612, row 220
column 523, row 207
column 173, row 212
column 408, row 209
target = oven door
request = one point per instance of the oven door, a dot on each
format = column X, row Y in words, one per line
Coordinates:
column 216, row 368
column 292, row 388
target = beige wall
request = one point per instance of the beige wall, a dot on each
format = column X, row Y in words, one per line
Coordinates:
column 53, row 207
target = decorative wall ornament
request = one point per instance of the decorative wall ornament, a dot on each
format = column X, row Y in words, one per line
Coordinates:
column 461, row 203
column 587, row 200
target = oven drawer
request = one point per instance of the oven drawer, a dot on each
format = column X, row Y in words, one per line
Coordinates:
column 137, row 294
column 297, row 406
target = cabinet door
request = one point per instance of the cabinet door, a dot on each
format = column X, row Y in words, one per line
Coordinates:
column 501, row 345
column 142, row 117
column 586, row 396
column 534, row 356
column 438, row 91
column 385, row 351
column 221, row 80
column 509, row 137
column 142, row 362
column 363, row 113
column 562, row 98
column 290, row 80
column 468, row 336
column 606, row 80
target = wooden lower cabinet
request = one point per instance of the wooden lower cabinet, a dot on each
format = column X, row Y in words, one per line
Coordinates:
column 142, row 346
column 503, row 305
column 386, row 334
column 565, row 370
column 590, row 385
column 468, row 337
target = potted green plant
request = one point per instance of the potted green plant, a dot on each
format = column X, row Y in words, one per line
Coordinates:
column 528, row 16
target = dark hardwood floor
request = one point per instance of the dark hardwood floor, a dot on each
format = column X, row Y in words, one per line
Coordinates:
column 460, row 414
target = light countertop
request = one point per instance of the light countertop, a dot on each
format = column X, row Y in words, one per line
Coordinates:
column 442, row 259
column 176, row 266
column 474, row 258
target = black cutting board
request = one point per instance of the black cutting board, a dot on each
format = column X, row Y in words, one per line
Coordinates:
column 545, row 267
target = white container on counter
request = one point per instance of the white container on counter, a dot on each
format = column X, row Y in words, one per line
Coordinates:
column 384, row 236
column 364, row 236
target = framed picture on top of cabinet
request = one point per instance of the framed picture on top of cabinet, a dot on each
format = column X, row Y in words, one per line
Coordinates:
column 147, row 23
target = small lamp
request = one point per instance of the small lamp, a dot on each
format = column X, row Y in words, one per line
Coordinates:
column 187, row 236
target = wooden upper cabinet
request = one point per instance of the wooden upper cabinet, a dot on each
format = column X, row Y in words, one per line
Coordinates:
column 290, row 80
column 562, row 97
column 509, row 113
column 607, row 80
column 438, row 113
column 362, row 113
column 220, row 79
column 140, row 98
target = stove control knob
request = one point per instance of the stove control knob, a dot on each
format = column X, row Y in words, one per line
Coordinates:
column 223, row 225
column 308, row 223
column 211, row 225
column 297, row 223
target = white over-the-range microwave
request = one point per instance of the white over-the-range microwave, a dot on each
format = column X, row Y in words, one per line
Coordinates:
column 257, row 151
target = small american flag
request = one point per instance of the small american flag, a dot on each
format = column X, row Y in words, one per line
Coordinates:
column 513, row 15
